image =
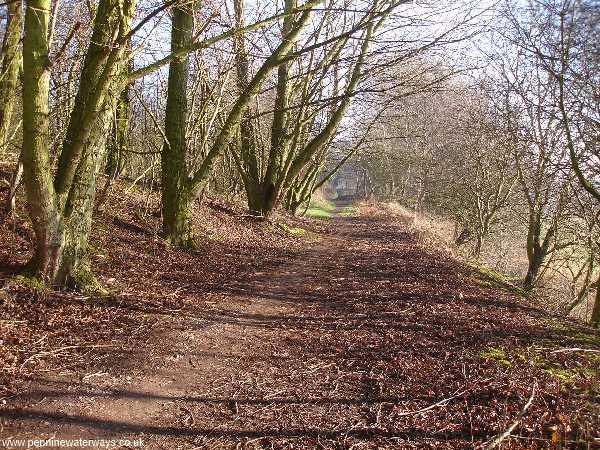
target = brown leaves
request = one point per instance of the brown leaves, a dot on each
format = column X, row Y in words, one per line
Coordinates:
column 364, row 337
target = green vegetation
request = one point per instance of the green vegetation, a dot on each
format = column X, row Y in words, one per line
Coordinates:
column 538, row 356
column 84, row 281
column 323, row 208
column 32, row 282
column 346, row 211
column 497, row 354
column 575, row 333
column 320, row 208
column 292, row 230
column 489, row 277
column 567, row 375
column 318, row 212
column 297, row 231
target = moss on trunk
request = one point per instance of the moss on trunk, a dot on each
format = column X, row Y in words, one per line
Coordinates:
column 61, row 207
column 177, row 219
column 177, row 193
column 118, row 142
column 11, row 62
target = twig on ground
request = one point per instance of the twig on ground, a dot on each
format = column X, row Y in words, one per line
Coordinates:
column 497, row 440
column 435, row 405
column 97, row 374
column 58, row 350
column 576, row 349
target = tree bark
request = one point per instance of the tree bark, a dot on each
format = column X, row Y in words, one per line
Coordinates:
column 118, row 143
column 41, row 199
column 478, row 245
column 248, row 148
column 536, row 261
column 99, row 69
column 75, row 184
column 260, row 185
column 279, row 127
column 177, row 195
column 74, row 267
column 61, row 206
column 595, row 320
column 255, row 195
column 11, row 63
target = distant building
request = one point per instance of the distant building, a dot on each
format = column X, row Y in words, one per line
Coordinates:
column 352, row 182
column 345, row 185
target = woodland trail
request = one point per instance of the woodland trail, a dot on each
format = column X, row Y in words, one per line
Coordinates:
column 343, row 344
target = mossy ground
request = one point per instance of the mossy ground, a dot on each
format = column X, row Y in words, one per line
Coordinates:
column 586, row 365
column 489, row 277
column 319, row 212
column 84, row 281
column 326, row 209
column 577, row 334
column 347, row 211
column 292, row 230
column 320, row 208
column 32, row 282
column 298, row 231
column 495, row 353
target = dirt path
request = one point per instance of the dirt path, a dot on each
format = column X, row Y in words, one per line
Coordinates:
column 342, row 345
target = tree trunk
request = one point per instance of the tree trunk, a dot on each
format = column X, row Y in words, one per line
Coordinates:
column 11, row 62
column 302, row 188
column 248, row 149
column 299, row 161
column 61, row 208
column 177, row 195
column 98, row 75
column 279, row 127
column 255, row 197
column 535, row 264
column 293, row 205
column 595, row 320
column 478, row 245
column 291, row 200
column 89, row 123
column 236, row 114
column 41, row 201
column 260, row 188
column 177, row 219
column 464, row 236
column 482, row 234
column 535, row 253
column 118, row 143
column 74, row 268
